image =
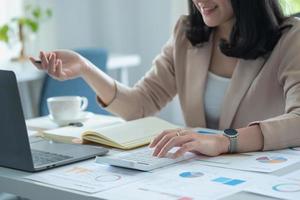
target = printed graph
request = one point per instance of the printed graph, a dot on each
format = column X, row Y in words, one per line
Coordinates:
column 191, row 174
column 166, row 194
column 271, row 159
column 228, row 181
column 108, row 178
column 88, row 175
column 287, row 187
column 79, row 170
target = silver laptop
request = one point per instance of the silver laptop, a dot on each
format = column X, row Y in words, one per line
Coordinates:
column 17, row 150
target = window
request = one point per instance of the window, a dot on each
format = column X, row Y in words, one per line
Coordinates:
column 8, row 10
column 290, row 6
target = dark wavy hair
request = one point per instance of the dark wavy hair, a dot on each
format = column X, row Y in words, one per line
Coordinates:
column 256, row 31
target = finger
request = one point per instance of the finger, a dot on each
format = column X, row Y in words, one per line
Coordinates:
column 190, row 146
column 52, row 64
column 163, row 142
column 160, row 144
column 159, row 137
column 59, row 72
column 49, row 54
column 44, row 60
column 174, row 142
column 35, row 63
column 56, row 68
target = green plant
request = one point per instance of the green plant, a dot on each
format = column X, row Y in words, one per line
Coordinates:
column 4, row 33
column 35, row 15
column 31, row 20
column 290, row 6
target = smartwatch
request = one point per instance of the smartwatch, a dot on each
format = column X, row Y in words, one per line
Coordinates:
column 232, row 134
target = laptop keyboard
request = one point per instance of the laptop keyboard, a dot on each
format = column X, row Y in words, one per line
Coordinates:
column 43, row 157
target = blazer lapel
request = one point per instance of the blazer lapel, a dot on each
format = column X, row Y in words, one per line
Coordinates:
column 197, row 66
column 243, row 76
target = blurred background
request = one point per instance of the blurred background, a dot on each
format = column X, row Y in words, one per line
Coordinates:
column 137, row 28
column 132, row 32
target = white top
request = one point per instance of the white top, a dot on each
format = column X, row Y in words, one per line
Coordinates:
column 216, row 87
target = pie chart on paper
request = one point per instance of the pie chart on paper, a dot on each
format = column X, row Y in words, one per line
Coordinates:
column 287, row 187
column 271, row 159
column 191, row 174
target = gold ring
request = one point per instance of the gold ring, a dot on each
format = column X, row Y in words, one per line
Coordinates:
column 179, row 132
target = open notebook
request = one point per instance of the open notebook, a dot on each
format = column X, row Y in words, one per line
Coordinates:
column 124, row 135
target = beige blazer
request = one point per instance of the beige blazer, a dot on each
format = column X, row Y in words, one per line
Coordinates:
column 265, row 91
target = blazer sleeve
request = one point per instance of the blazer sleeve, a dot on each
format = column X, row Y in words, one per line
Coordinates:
column 153, row 91
column 284, row 131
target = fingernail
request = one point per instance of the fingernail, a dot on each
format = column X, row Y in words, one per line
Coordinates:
column 160, row 155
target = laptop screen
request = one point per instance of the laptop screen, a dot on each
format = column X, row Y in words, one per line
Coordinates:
column 14, row 145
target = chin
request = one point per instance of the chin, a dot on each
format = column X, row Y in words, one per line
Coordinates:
column 211, row 24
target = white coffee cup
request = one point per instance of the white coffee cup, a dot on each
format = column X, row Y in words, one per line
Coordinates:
column 66, row 107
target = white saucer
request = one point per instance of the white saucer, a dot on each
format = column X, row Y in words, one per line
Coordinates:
column 63, row 122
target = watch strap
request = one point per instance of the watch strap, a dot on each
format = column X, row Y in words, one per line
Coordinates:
column 233, row 145
column 232, row 135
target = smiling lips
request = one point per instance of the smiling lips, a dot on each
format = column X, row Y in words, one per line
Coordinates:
column 207, row 10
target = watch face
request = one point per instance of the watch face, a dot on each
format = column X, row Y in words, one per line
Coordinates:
column 230, row 132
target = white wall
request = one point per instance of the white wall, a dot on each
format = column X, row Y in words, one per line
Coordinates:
column 121, row 26
column 131, row 26
column 8, row 10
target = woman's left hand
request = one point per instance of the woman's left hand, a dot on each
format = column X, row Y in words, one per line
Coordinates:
column 189, row 141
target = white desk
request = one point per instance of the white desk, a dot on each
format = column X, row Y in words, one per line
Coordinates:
column 12, row 181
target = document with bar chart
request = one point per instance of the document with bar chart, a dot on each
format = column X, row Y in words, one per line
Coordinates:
column 255, row 161
column 187, row 181
column 88, row 177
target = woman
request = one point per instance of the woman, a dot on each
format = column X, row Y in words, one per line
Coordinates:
column 233, row 63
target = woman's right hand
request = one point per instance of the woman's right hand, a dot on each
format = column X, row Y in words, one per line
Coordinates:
column 62, row 64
